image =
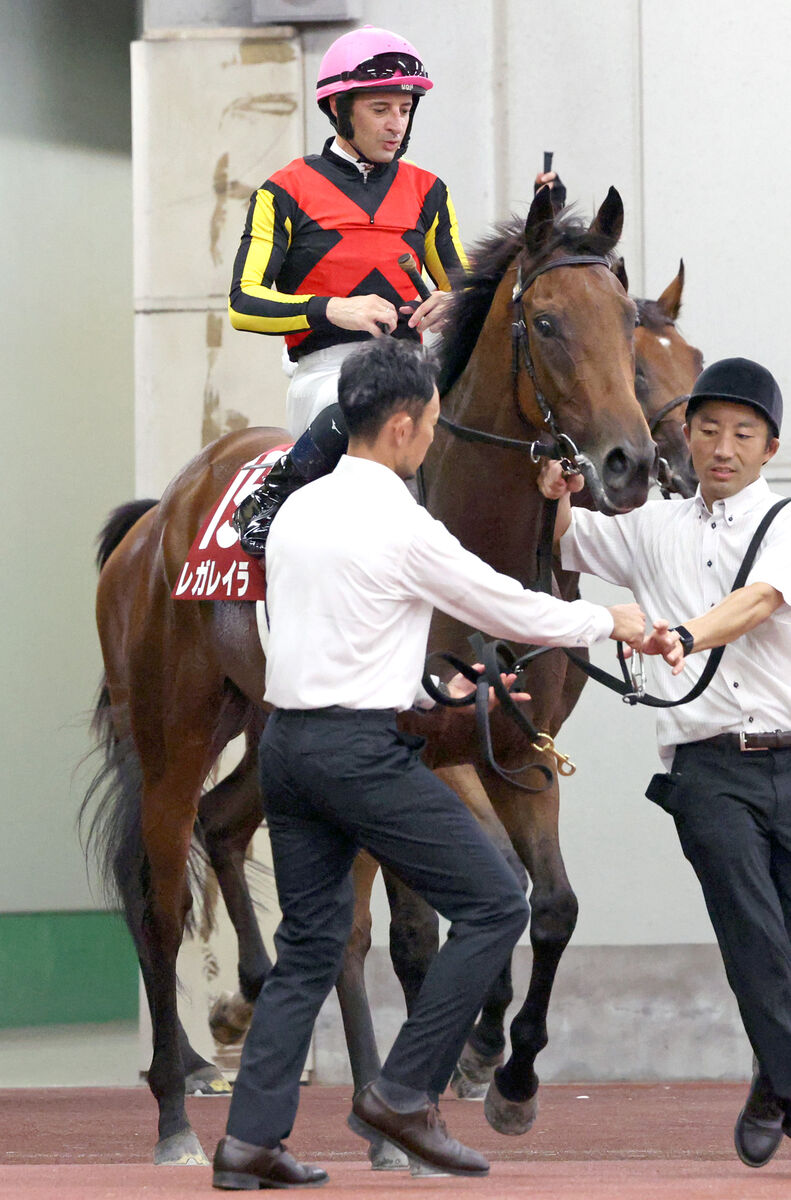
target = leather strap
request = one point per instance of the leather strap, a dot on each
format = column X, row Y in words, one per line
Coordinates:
column 625, row 688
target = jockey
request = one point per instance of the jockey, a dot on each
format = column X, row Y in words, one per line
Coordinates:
column 318, row 260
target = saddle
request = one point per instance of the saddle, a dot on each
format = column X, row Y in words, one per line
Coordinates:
column 217, row 567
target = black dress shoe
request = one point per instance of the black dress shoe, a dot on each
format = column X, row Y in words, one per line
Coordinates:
column 420, row 1134
column 240, row 1166
column 759, row 1127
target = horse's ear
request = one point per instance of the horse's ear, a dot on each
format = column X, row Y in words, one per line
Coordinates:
column 619, row 271
column 540, row 219
column 609, row 219
column 670, row 300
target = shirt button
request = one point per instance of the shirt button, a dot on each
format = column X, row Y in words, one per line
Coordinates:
column 751, row 719
column 736, row 684
column 730, row 518
column 714, row 524
column 708, row 564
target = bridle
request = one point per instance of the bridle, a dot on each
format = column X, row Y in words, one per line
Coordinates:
column 664, row 476
column 561, row 445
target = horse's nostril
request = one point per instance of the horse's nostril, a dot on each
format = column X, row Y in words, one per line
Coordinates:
column 616, row 466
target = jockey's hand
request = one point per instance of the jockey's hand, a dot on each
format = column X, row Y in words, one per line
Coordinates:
column 429, row 314
column 628, row 625
column 665, row 641
column 556, row 186
column 373, row 314
column 460, row 686
column 553, row 484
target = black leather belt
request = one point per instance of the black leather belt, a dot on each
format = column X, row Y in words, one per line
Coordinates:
column 778, row 739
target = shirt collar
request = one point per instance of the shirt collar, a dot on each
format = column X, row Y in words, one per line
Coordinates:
column 367, row 473
column 736, row 506
column 363, row 167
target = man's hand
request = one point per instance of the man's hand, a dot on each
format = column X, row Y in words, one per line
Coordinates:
column 665, row 641
column 459, row 686
column 628, row 625
column 553, row 484
column 546, row 177
column 430, row 314
column 373, row 314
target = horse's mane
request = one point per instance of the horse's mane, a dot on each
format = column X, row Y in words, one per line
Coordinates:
column 650, row 315
column 490, row 259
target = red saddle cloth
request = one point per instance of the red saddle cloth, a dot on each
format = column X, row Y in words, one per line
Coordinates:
column 217, row 568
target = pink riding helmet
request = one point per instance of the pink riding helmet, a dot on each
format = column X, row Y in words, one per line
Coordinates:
column 370, row 58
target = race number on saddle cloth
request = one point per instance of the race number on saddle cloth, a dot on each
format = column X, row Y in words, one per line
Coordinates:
column 216, row 567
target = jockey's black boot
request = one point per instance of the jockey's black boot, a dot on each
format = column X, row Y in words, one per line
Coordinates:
column 315, row 453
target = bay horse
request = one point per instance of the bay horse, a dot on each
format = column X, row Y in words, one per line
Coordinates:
column 666, row 366
column 184, row 678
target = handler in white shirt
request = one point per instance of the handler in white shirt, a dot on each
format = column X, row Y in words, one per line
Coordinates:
column 729, row 789
column 354, row 568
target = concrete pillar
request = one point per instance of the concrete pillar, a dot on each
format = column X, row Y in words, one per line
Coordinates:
column 214, row 113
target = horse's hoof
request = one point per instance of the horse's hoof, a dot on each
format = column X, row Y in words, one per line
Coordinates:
column 180, row 1150
column 385, row 1156
column 207, row 1081
column 509, row 1116
column 230, row 1018
column 473, row 1073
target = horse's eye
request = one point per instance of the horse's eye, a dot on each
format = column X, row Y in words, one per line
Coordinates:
column 544, row 326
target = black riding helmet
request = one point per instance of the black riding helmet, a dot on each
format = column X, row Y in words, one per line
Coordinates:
column 743, row 382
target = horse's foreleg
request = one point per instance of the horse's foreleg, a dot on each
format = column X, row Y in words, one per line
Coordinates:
column 229, row 815
column 511, row 1103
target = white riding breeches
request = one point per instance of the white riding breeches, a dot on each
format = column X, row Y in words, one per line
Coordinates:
column 314, row 385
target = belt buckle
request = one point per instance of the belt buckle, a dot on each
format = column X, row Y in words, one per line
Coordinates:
column 743, row 744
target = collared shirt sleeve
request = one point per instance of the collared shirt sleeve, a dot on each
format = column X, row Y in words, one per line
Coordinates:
column 254, row 303
column 439, row 569
column 773, row 564
column 601, row 545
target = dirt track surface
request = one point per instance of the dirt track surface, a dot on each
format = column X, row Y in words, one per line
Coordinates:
column 591, row 1142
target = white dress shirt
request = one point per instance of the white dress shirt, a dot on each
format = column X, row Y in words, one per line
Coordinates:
column 680, row 560
column 354, row 570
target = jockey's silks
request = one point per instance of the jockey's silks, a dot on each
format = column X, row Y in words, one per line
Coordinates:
column 319, row 228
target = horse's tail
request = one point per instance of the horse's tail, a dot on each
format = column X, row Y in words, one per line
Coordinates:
column 117, row 525
column 110, row 820
column 110, row 816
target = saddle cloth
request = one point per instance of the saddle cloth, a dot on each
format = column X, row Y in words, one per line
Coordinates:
column 216, row 567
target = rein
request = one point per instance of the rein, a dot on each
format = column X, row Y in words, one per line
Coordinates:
column 498, row 656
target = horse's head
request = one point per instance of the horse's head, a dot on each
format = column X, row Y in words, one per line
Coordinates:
column 666, row 366
column 579, row 332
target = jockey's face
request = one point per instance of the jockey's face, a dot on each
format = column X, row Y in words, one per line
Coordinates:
column 422, row 435
column 379, row 118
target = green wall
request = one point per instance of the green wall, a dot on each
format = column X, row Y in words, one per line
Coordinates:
column 66, row 968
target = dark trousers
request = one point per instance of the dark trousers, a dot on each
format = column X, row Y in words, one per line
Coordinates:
column 733, row 815
column 335, row 781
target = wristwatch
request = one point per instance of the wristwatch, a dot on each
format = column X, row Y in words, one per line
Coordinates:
column 687, row 639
